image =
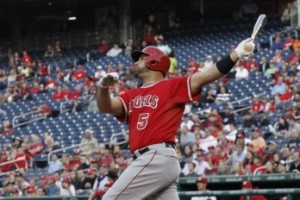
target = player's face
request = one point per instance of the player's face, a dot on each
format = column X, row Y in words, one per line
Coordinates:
column 140, row 67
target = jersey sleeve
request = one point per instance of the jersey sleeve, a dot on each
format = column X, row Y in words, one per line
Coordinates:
column 181, row 89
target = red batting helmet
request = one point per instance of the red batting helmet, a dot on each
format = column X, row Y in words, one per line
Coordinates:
column 155, row 60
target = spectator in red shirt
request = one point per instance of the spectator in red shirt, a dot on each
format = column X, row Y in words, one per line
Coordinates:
column 23, row 164
column 4, row 158
column 288, row 43
column 42, row 69
column 44, row 110
column 77, row 93
column 35, row 88
column 103, row 47
column 51, row 84
column 250, row 64
column 36, row 147
column 256, row 105
column 247, row 185
column 79, row 74
column 26, row 59
column 287, row 95
column 58, row 95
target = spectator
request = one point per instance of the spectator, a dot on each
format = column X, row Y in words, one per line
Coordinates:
column 247, row 185
column 295, row 165
column 103, row 47
column 263, row 64
column 279, row 87
column 262, row 120
column 186, row 137
column 66, row 188
column 294, row 141
column 173, row 62
column 79, row 74
column 114, row 51
column 57, row 50
column 278, row 43
column 271, row 151
column 223, row 96
column 55, row 164
column 201, row 186
column 250, row 64
column 37, row 146
column 241, row 72
column 52, row 189
column 202, row 166
column 288, row 43
column 237, row 169
column 186, row 121
column 4, row 158
column 100, row 72
column 6, row 128
column 282, row 168
column 257, row 141
column 23, row 164
column 89, row 143
column 272, row 69
column 238, row 155
column 69, row 74
column 248, row 120
column 287, row 12
column 49, row 51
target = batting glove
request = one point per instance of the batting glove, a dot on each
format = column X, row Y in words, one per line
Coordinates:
column 245, row 48
column 108, row 80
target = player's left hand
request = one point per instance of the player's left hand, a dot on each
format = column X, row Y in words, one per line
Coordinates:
column 108, row 80
column 245, row 48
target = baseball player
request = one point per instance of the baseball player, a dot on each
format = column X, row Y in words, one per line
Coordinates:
column 153, row 112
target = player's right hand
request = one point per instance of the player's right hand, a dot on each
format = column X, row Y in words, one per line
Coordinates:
column 108, row 79
column 245, row 48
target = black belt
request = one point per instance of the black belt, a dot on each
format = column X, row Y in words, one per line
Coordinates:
column 146, row 149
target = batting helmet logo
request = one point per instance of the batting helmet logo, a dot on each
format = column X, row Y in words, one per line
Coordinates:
column 155, row 59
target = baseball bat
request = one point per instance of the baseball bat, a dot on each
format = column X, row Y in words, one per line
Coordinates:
column 258, row 26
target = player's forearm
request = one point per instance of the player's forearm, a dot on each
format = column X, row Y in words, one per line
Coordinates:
column 103, row 100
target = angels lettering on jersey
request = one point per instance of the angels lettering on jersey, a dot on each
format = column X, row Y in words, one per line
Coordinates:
column 150, row 101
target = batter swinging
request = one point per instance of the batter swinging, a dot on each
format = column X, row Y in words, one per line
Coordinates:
column 153, row 113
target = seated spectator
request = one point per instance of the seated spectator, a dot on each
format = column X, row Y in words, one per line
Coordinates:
column 3, row 79
column 7, row 128
column 45, row 110
column 223, row 96
column 263, row 64
column 294, row 140
column 36, row 147
column 288, row 43
column 295, row 165
column 209, row 97
column 100, row 72
column 35, row 88
column 55, row 164
column 51, row 84
column 26, row 59
column 279, row 87
column 257, row 141
column 58, row 95
column 79, row 74
column 68, row 75
column 89, row 143
column 103, row 47
column 114, row 51
column 237, row 169
column 49, row 51
column 278, row 43
column 23, row 164
column 281, row 168
column 241, row 72
column 250, row 64
column 67, row 189
column 52, row 189
column 4, row 157
column 50, row 144
column 42, row 69
column 12, row 77
column 186, row 137
column 272, row 69
column 57, row 50
column 202, row 165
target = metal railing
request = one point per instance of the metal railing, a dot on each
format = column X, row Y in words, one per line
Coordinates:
column 114, row 138
column 15, row 118
column 65, row 148
column 10, row 162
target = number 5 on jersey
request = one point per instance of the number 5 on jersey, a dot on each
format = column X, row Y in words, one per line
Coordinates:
column 143, row 121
